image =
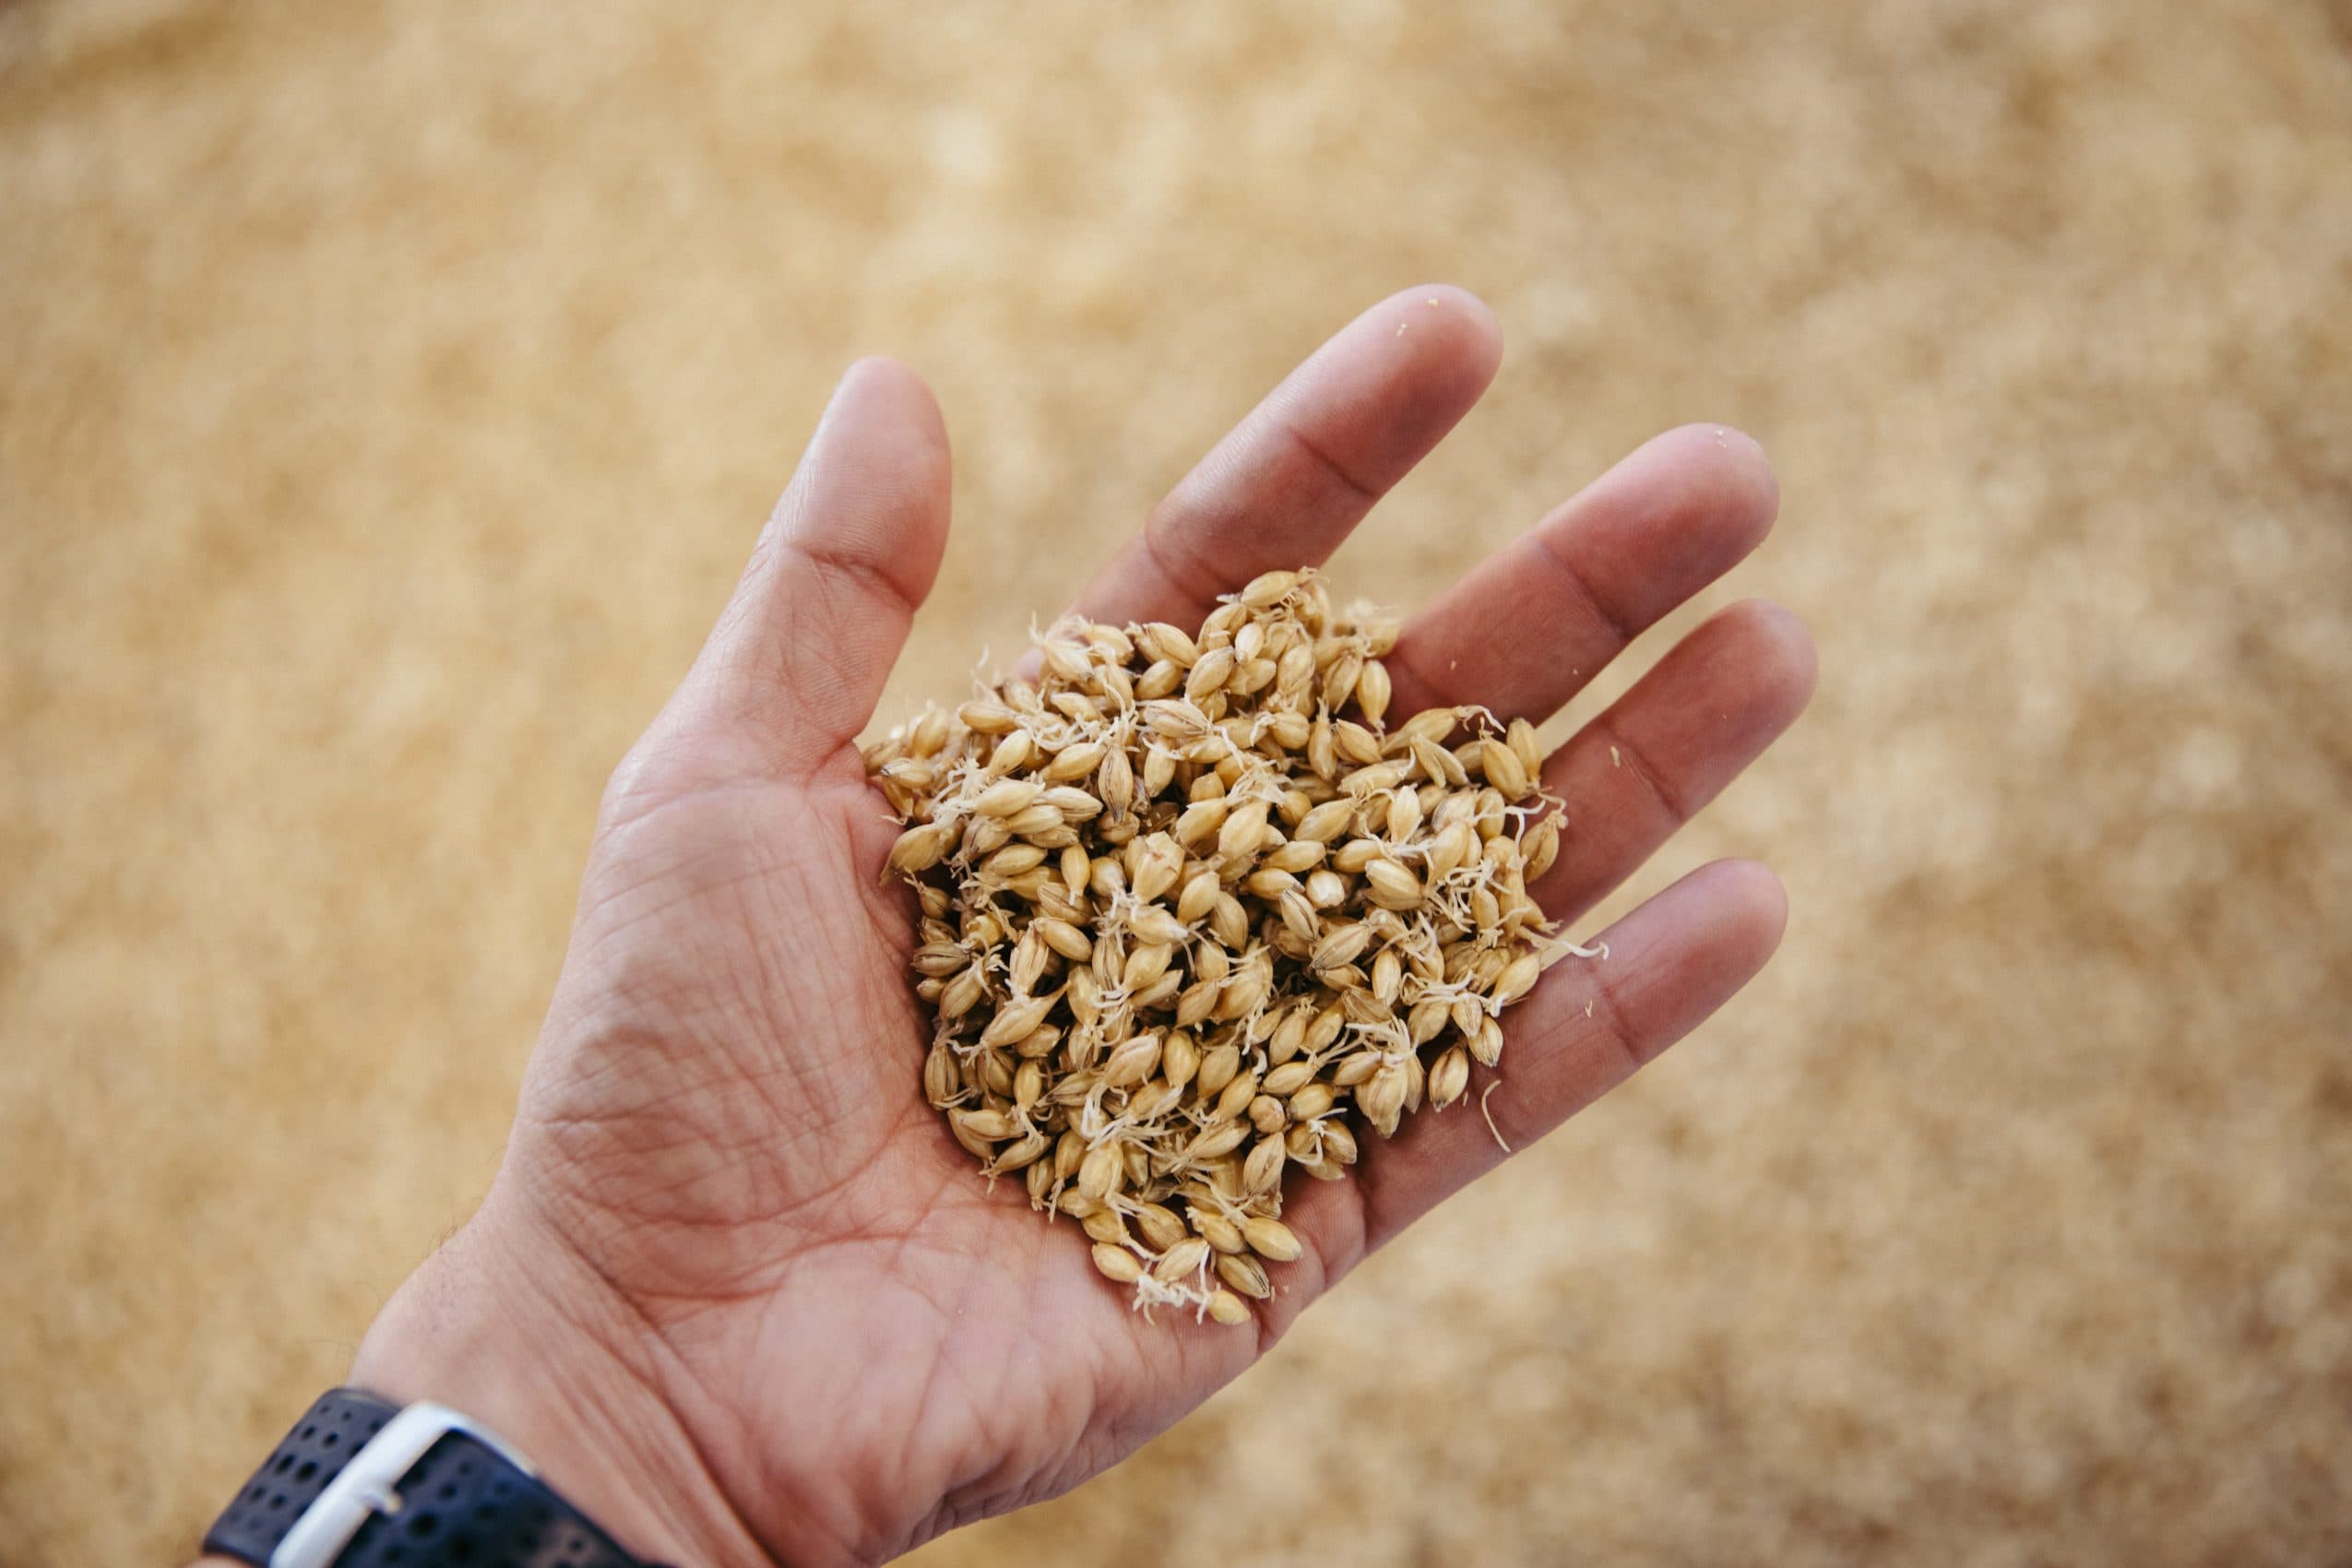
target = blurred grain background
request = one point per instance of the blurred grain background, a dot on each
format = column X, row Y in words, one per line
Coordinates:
column 390, row 393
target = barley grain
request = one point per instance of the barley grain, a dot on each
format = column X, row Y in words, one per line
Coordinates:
column 1118, row 1264
column 1245, row 1275
column 1174, row 903
column 1227, row 1308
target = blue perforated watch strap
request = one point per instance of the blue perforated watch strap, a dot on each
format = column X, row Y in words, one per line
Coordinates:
column 461, row 1500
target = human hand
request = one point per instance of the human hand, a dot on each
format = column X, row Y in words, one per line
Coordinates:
column 735, row 1287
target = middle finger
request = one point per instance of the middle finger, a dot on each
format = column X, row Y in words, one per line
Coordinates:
column 1525, row 629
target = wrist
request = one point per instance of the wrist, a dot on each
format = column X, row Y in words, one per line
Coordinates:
column 512, row 1329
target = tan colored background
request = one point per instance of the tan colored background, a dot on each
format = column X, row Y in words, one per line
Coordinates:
column 390, row 393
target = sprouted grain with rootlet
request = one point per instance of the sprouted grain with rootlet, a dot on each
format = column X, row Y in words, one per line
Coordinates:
column 1192, row 914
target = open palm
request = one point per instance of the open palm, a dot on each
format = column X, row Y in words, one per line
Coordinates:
column 778, row 1315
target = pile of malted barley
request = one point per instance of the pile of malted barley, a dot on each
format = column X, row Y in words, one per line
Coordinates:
column 1178, row 915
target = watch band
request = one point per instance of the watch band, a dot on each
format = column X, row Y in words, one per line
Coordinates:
column 359, row 1482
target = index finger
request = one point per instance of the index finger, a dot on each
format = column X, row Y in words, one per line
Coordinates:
column 1303, row 467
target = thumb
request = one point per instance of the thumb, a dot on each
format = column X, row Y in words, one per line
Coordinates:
column 798, row 660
